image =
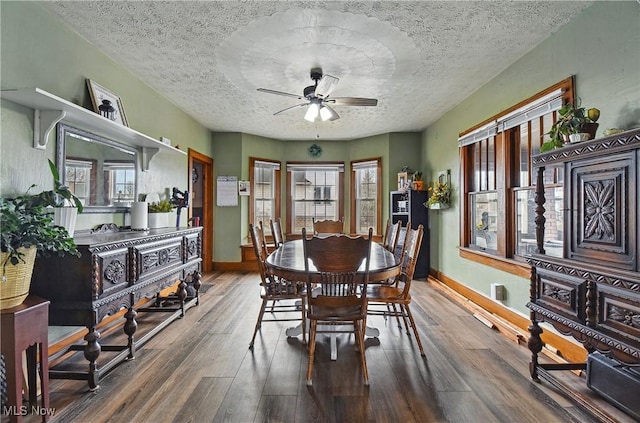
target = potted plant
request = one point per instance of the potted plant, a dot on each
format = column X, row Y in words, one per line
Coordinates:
column 440, row 196
column 572, row 120
column 66, row 205
column 27, row 230
column 418, row 183
column 159, row 213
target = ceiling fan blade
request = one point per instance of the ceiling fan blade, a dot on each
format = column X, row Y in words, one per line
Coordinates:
column 265, row 90
column 288, row 108
column 353, row 101
column 326, row 85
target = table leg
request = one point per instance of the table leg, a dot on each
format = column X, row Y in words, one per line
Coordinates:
column 130, row 328
column 91, row 353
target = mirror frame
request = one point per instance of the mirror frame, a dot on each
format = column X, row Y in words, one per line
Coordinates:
column 61, row 134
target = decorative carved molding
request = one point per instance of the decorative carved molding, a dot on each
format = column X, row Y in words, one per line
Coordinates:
column 587, row 275
column 561, row 295
column 114, row 271
column 586, row 335
column 599, row 210
column 141, row 240
column 160, row 258
column 105, row 228
column 625, row 316
column 600, row 146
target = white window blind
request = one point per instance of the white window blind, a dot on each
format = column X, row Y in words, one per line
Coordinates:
column 313, row 167
column 535, row 109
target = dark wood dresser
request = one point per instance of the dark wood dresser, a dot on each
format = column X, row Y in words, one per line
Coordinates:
column 115, row 271
column 591, row 290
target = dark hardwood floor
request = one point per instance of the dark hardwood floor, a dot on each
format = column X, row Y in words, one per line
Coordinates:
column 199, row 369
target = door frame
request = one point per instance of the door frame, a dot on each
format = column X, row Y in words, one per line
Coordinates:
column 207, row 204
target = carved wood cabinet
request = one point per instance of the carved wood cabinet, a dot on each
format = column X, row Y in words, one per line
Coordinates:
column 592, row 290
column 115, row 271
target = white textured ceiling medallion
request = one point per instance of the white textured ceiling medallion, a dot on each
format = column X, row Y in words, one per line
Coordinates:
column 278, row 51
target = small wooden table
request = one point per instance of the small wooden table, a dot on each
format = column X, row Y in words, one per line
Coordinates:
column 288, row 262
column 25, row 327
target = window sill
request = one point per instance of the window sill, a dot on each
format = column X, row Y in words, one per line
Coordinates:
column 506, row 265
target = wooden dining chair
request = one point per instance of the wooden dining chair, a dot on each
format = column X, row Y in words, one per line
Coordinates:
column 336, row 291
column 328, row 226
column 282, row 293
column 391, row 235
column 276, row 232
column 395, row 299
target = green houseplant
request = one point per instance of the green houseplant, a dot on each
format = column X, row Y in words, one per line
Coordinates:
column 418, row 183
column 159, row 213
column 440, row 195
column 66, row 205
column 27, row 230
column 571, row 120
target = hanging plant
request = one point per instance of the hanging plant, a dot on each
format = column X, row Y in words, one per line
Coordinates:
column 440, row 194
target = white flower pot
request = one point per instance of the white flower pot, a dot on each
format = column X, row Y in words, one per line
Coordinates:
column 159, row 220
column 439, row 206
column 66, row 217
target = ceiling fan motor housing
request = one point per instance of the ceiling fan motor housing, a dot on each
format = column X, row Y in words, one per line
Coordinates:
column 310, row 91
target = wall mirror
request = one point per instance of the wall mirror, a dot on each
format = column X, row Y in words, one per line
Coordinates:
column 101, row 172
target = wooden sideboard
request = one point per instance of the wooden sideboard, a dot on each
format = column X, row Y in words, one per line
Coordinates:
column 592, row 291
column 115, row 271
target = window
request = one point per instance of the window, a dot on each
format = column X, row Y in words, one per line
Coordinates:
column 366, row 201
column 314, row 190
column 498, row 182
column 264, row 177
column 121, row 179
column 78, row 178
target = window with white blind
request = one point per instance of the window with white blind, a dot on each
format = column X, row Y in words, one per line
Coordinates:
column 264, row 177
column 498, row 184
column 366, row 201
column 314, row 191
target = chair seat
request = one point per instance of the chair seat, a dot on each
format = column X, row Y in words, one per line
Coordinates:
column 283, row 287
column 335, row 314
column 386, row 293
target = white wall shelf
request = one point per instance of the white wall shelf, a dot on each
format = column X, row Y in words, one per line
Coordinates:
column 50, row 109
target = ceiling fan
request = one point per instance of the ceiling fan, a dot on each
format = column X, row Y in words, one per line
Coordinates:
column 318, row 99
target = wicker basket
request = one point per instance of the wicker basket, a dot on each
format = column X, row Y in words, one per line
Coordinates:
column 16, row 279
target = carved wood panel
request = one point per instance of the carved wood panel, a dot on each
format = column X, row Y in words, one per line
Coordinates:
column 602, row 228
column 110, row 272
column 563, row 293
column 159, row 257
column 619, row 313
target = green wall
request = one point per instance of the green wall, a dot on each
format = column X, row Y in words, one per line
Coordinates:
column 599, row 47
column 38, row 51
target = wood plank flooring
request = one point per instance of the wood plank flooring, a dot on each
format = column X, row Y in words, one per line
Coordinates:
column 199, row 369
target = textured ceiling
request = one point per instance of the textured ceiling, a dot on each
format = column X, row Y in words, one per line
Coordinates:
column 419, row 59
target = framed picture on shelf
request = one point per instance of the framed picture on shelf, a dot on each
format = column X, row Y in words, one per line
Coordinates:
column 403, row 179
column 99, row 94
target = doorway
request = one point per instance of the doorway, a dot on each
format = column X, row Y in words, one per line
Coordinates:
column 201, row 202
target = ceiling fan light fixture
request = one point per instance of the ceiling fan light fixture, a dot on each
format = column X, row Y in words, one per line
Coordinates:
column 312, row 112
column 327, row 113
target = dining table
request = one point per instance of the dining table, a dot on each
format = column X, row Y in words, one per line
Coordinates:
column 287, row 262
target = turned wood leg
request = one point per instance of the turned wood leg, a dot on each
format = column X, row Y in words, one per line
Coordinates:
column 535, row 344
column 91, row 353
column 197, row 283
column 181, row 293
column 130, row 327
